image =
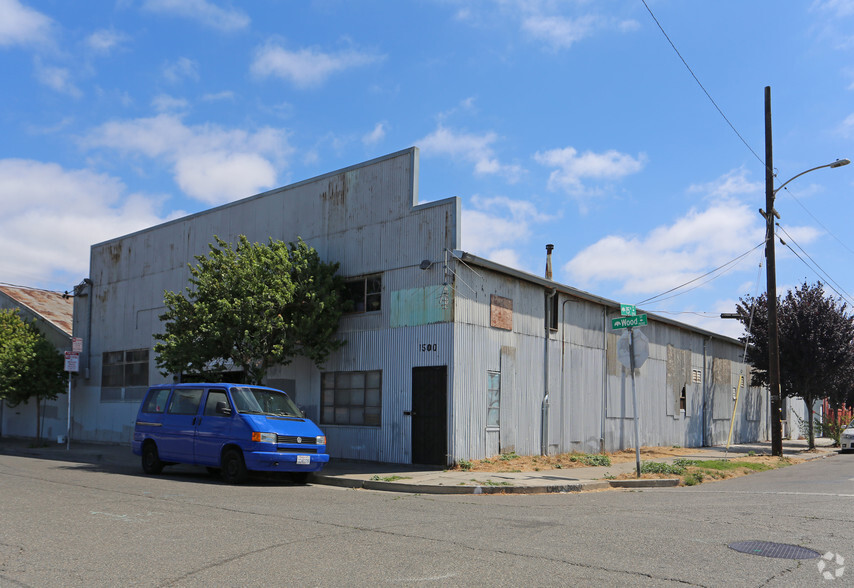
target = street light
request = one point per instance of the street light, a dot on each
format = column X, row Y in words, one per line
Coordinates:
column 771, row 269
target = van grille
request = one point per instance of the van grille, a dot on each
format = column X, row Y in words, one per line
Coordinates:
column 297, row 450
column 294, row 440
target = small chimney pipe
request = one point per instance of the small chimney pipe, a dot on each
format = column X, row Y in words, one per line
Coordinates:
column 549, row 249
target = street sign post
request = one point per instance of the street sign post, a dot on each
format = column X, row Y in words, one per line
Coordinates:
column 72, row 365
column 627, row 322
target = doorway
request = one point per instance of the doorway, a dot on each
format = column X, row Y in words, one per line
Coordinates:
column 430, row 415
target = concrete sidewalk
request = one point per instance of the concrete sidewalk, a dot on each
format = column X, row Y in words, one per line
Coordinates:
column 425, row 480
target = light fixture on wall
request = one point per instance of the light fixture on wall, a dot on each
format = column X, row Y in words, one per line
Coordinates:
column 426, row 264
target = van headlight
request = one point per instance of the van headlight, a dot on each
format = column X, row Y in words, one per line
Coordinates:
column 264, row 437
column 321, row 439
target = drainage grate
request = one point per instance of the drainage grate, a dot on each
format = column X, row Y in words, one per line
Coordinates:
column 768, row 549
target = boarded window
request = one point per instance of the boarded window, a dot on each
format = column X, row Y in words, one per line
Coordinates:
column 500, row 312
column 678, row 377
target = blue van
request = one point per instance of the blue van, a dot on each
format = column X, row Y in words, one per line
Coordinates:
column 231, row 429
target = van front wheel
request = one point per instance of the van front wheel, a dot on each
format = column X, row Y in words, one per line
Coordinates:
column 233, row 467
column 151, row 463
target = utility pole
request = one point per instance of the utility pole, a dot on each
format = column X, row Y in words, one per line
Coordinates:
column 771, row 269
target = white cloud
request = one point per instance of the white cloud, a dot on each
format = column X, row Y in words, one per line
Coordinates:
column 56, row 78
column 52, row 216
column 182, row 68
column 492, row 225
column 476, row 149
column 375, row 136
column 207, row 13
column 306, row 68
column 21, row 25
column 104, row 41
column 559, row 32
column 847, row 126
column 671, row 255
column 216, row 97
column 574, row 168
column 209, row 163
column 167, row 103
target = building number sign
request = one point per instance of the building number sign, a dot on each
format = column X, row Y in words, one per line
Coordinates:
column 428, row 347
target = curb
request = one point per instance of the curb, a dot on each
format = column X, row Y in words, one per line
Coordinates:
column 581, row 486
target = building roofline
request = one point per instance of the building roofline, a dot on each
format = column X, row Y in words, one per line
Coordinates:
column 411, row 151
column 472, row 259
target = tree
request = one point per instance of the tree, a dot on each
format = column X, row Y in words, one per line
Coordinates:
column 30, row 366
column 254, row 306
column 816, row 336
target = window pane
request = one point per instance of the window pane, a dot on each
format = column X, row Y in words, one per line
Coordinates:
column 342, row 398
column 357, row 397
column 328, row 380
column 328, row 397
column 357, row 380
column 113, row 357
column 372, row 416
column 374, row 285
column 185, row 401
column 373, row 302
column 492, row 417
column 156, row 401
column 342, row 416
column 342, row 380
column 372, row 398
column 357, row 416
column 494, row 380
column 112, row 376
column 372, row 379
column 136, row 374
column 328, row 416
column 215, row 396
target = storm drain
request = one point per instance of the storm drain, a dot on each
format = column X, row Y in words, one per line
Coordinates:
column 769, row 549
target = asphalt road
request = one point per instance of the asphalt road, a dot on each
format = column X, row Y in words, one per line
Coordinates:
column 68, row 524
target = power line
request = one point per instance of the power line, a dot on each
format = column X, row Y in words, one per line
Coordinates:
column 706, row 92
column 729, row 263
column 829, row 232
column 820, row 272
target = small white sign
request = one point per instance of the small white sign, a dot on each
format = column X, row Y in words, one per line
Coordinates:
column 77, row 344
column 72, row 361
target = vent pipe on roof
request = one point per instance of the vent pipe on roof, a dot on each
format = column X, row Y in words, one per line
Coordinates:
column 549, row 249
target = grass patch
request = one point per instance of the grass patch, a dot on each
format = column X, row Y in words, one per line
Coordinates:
column 492, row 483
column 588, row 459
column 655, row 467
column 378, row 478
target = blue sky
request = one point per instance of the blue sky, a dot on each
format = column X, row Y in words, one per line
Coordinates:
column 566, row 122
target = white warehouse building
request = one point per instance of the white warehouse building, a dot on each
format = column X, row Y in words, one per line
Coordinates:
column 448, row 356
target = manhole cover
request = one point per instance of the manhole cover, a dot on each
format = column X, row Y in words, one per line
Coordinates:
column 769, row 549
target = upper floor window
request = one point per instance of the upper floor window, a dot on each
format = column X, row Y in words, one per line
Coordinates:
column 364, row 293
column 124, row 375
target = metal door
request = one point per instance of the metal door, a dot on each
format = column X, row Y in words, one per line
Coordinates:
column 430, row 415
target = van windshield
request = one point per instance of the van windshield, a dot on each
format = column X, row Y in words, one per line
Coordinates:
column 267, row 402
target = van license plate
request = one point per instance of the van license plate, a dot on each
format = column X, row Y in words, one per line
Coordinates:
column 303, row 459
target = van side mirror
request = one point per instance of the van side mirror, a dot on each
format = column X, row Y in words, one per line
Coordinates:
column 223, row 409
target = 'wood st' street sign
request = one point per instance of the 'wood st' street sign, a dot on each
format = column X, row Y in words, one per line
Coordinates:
column 625, row 322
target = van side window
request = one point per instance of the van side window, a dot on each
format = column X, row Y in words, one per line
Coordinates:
column 156, row 401
column 214, row 397
column 185, row 401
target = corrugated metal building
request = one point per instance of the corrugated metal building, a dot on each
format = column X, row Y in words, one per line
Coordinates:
column 446, row 356
column 52, row 312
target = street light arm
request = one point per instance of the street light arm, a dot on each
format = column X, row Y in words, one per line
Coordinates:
column 837, row 163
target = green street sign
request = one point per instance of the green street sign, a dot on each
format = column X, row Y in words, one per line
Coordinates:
column 628, row 310
column 625, row 322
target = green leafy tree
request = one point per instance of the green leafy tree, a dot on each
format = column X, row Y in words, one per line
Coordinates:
column 255, row 305
column 816, row 336
column 30, row 366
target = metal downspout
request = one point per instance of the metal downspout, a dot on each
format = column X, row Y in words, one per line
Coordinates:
column 604, row 378
column 544, row 437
